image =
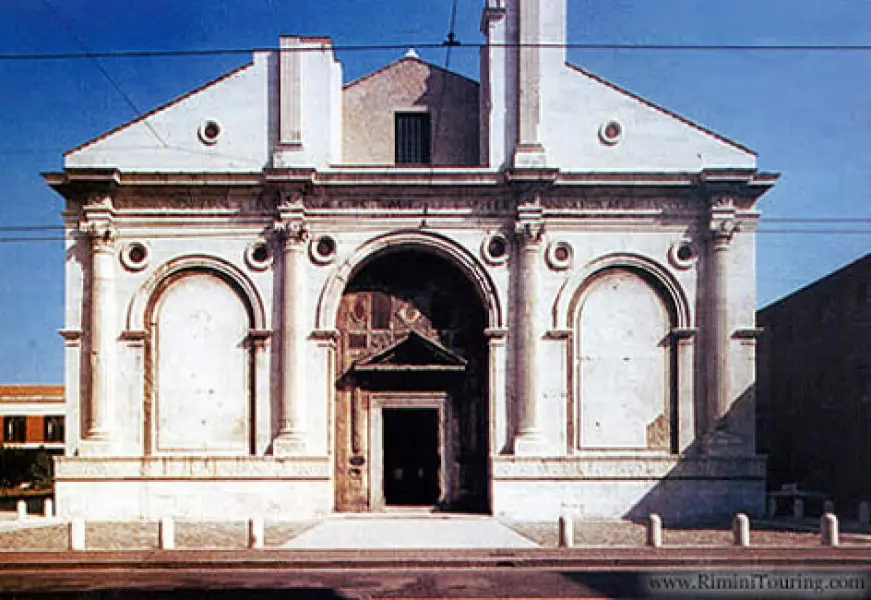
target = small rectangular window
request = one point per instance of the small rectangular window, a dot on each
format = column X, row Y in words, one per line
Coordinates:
column 15, row 429
column 412, row 139
column 54, row 429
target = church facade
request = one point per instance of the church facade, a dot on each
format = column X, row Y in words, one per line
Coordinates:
column 528, row 295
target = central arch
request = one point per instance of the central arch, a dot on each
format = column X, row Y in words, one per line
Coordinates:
column 412, row 402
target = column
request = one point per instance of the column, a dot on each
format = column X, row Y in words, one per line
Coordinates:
column 102, row 321
column 291, row 437
column 530, row 230
column 722, row 231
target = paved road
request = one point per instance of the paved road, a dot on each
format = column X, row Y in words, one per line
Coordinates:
column 579, row 573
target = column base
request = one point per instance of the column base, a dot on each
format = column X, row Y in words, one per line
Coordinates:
column 529, row 156
column 531, row 444
column 94, row 445
column 289, row 444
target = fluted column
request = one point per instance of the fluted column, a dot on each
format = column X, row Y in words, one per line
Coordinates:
column 292, row 435
column 530, row 233
column 102, row 320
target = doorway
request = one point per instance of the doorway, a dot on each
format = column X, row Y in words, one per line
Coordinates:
column 411, row 456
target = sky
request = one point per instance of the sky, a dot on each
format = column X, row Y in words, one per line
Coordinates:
column 807, row 114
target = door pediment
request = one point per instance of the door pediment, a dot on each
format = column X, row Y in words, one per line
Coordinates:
column 413, row 352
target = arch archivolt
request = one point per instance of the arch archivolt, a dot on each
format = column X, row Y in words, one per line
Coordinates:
column 141, row 303
column 570, row 296
column 331, row 294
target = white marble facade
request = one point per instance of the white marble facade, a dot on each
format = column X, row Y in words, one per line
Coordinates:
column 611, row 245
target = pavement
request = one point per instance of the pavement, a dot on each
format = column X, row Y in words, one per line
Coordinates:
column 409, row 533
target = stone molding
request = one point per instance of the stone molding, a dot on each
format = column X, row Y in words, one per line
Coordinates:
column 629, row 466
column 196, row 468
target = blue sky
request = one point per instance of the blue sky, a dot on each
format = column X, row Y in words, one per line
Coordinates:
column 807, row 114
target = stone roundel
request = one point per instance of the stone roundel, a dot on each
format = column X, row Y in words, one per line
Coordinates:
column 135, row 256
column 258, row 255
column 683, row 254
column 494, row 248
column 611, row 132
column 323, row 249
column 209, row 132
column 559, row 255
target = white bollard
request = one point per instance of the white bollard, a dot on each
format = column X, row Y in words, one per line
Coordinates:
column 566, row 531
column 798, row 509
column 48, row 508
column 21, row 506
column 166, row 533
column 77, row 534
column 864, row 514
column 829, row 530
column 654, row 531
column 255, row 533
column 741, row 530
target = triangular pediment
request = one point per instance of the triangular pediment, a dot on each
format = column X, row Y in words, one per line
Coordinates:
column 413, row 352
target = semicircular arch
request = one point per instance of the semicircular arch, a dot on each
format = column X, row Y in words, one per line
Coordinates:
column 331, row 294
column 570, row 294
column 139, row 305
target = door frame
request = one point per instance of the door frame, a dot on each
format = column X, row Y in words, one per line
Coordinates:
column 393, row 400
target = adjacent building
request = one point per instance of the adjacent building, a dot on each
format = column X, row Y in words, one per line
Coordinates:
column 523, row 295
column 815, row 386
column 33, row 417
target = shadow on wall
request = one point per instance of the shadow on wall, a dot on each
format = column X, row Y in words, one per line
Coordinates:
column 708, row 489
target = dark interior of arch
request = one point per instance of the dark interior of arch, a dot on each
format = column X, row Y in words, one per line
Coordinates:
column 390, row 297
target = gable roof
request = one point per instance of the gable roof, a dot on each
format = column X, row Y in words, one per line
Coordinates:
column 161, row 108
column 403, row 60
column 661, row 109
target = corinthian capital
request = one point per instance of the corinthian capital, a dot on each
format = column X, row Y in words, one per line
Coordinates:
column 293, row 234
column 529, row 226
column 103, row 235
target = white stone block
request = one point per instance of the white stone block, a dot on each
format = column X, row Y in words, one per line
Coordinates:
column 741, row 530
column 48, row 507
column 654, row 531
column 166, row 533
column 21, row 508
column 77, row 534
column 566, row 531
column 829, row 530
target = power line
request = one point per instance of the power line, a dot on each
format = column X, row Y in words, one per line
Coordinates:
column 66, row 27
column 436, row 45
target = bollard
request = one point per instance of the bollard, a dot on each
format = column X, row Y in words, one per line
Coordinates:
column 741, row 530
column 77, row 534
column 566, row 531
column 166, row 533
column 48, row 508
column 829, row 506
column 772, row 507
column 654, row 531
column 864, row 514
column 829, row 530
column 255, row 532
column 798, row 509
column 21, row 506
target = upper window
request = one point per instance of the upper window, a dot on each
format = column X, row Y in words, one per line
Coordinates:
column 412, row 139
column 15, row 429
column 54, row 429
